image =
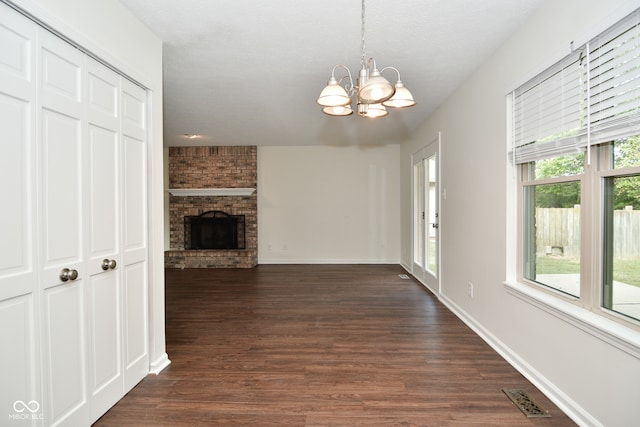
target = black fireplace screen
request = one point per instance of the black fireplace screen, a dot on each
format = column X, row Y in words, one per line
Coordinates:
column 214, row 230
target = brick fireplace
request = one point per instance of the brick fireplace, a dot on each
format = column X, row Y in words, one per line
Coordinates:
column 203, row 179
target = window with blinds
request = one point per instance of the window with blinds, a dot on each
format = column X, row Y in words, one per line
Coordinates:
column 577, row 229
column 589, row 97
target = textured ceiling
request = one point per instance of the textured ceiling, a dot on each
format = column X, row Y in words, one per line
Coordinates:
column 248, row 72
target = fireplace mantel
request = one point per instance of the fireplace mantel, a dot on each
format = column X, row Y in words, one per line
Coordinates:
column 211, row 191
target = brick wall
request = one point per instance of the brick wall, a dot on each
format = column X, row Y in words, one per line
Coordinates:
column 212, row 167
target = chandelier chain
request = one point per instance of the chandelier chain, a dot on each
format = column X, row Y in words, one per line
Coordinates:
column 363, row 59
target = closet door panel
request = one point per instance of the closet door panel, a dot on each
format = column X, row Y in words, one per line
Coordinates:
column 135, row 234
column 104, row 313
column 135, row 202
column 63, row 275
column 60, row 75
column 16, row 52
column 103, row 93
column 19, row 333
column 61, row 115
column 135, row 172
column 62, row 194
column 16, row 217
column 102, row 140
column 18, row 360
column 17, row 148
column 103, row 216
column 136, row 324
column 65, row 359
column 105, row 337
column 106, row 356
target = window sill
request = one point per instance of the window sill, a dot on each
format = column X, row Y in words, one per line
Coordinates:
column 599, row 326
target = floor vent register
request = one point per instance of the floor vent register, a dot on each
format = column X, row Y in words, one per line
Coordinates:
column 525, row 403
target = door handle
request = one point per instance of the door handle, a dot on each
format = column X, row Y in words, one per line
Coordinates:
column 108, row 264
column 67, row 274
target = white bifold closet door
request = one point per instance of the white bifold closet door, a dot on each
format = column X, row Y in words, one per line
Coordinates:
column 73, row 273
column 20, row 371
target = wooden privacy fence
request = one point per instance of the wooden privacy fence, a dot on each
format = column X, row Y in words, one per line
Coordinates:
column 558, row 232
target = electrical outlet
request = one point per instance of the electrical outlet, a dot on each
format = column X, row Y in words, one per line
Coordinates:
column 470, row 289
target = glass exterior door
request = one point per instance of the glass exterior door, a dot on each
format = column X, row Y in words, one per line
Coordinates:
column 426, row 218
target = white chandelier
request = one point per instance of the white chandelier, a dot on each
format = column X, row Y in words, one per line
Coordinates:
column 373, row 92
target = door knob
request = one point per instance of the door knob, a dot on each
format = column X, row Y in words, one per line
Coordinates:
column 108, row 264
column 67, row 274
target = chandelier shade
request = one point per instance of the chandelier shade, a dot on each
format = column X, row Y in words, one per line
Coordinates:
column 402, row 98
column 376, row 89
column 372, row 90
column 338, row 110
column 333, row 95
column 372, row 111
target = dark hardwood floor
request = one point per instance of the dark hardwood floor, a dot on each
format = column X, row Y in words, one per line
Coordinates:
column 320, row 345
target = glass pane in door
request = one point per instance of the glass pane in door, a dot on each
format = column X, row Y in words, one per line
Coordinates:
column 418, row 214
column 431, row 228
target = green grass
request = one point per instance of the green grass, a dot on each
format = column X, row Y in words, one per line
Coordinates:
column 627, row 272
column 623, row 271
column 557, row 265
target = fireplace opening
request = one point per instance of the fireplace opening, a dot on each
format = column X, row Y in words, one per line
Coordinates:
column 214, row 230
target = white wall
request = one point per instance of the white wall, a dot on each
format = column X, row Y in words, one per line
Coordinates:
column 107, row 30
column 328, row 204
column 594, row 377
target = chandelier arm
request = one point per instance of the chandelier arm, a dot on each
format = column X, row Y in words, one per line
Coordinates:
column 349, row 88
column 391, row 68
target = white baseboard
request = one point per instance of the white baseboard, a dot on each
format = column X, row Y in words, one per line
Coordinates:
column 328, row 261
column 159, row 364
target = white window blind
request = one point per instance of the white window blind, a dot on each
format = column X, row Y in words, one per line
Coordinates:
column 589, row 97
column 548, row 113
column 614, row 82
